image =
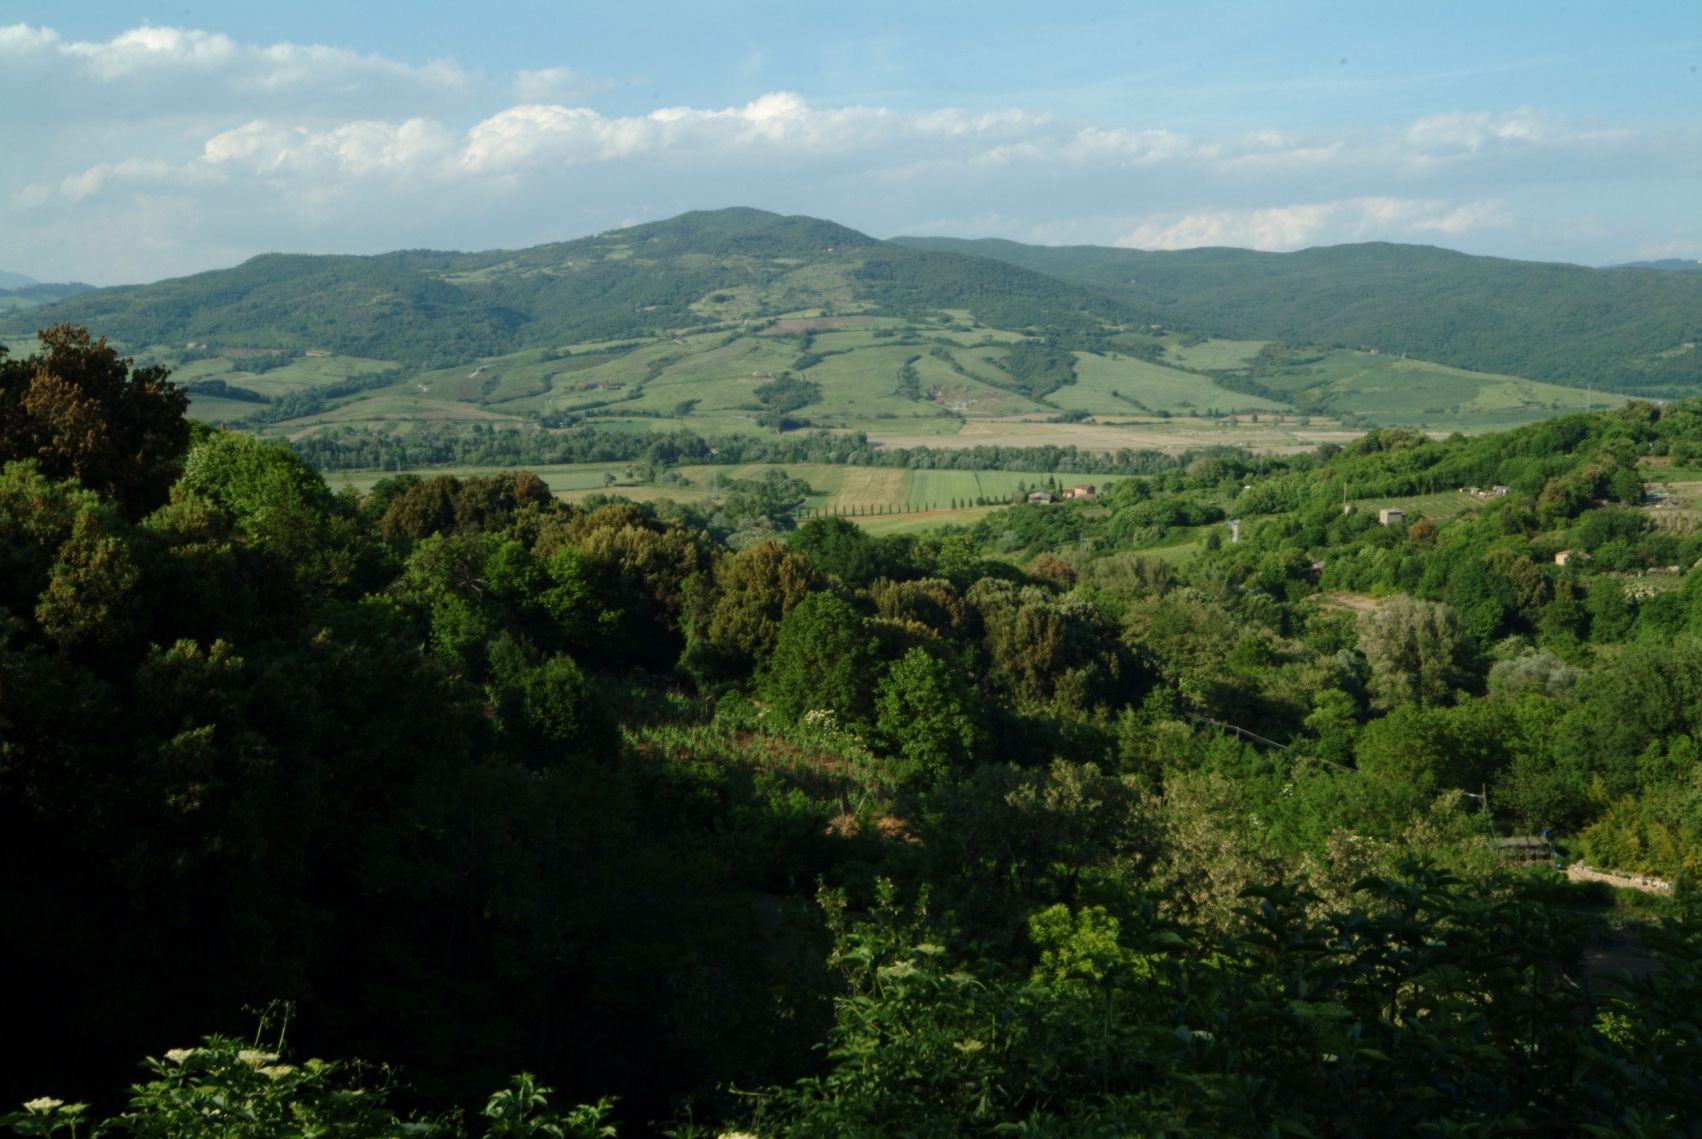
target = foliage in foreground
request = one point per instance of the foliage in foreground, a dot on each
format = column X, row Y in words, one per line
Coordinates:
column 487, row 782
column 224, row 1090
column 1435, row 1008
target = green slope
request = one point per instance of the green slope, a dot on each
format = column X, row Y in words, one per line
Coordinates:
column 690, row 321
column 1622, row 329
column 429, row 308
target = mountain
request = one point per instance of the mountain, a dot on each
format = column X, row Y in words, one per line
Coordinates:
column 35, row 294
column 1668, row 264
column 15, row 280
column 739, row 320
column 1617, row 329
column 430, row 308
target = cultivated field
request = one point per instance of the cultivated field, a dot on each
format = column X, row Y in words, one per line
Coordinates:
column 885, row 499
column 1153, row 386
column 940, row 384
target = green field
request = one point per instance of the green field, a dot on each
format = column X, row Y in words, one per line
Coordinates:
column 884, row 499
column 1213, row 354
column 1154, row 386
column 1391, row 391
column 707, row 382
column 300, row 374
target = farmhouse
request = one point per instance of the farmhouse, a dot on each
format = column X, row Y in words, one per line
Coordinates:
column 1082, row 490
column 1040, row 496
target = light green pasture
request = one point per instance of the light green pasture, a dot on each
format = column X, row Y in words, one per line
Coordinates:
column 1154, row 386
column 1214, row 355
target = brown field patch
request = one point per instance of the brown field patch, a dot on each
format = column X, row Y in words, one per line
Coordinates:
column 872, row 486
column 1355, row 602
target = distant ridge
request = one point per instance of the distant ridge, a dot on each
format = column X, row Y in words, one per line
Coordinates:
column 36, row 294
column 15, row 280
column 1628, row 330
column 433, row 308
column 45, row 294
column 1566, row 324
column 1667, row 264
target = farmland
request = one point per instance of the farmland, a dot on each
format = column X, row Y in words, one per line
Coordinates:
column 708, row 382
column 689, row 324
column 887, row 497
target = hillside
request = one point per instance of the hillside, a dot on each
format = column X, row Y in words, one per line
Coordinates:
column 428, row 308
column 1619, row 329
column 1665, row 264
column 738, row 321
column 29, row 294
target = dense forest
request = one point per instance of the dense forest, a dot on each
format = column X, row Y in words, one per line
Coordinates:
column 569, row 819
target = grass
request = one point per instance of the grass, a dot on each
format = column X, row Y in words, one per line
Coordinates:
column 1214, row 355
column 302, row 374
column 1154, row 386
column 921, row 523
column 1396, row 392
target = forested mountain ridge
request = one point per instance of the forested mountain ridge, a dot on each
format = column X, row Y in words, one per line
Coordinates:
column 1620, row 329
column 428, row 308
column 1014, row 829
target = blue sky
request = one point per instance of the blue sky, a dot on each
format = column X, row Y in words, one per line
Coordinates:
column 148, row 140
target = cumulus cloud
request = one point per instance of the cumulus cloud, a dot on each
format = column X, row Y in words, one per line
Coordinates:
column 1297, row 226
column 166, row 150
column 178, row 72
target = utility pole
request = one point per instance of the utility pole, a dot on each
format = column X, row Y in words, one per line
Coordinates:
column 1483, row 798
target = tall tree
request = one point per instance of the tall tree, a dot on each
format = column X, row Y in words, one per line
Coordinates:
column 81, row 411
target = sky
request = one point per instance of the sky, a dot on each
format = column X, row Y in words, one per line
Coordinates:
column 151, row 140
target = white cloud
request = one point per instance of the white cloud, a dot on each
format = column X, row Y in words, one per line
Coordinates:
column 355, row 150
column 150, row 72
column 1295, row 226
column 166, row 150
column 557, row 84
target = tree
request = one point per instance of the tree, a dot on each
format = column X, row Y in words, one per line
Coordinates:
column 824, row 659
column 1431, row 749
column 753, row 590
column 282, row 505
column 80, row 411
column 1042, row 647
column 844, row 549
column 924, row 715
column 1419, row 651
column 447, row 505
column 551, row 710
